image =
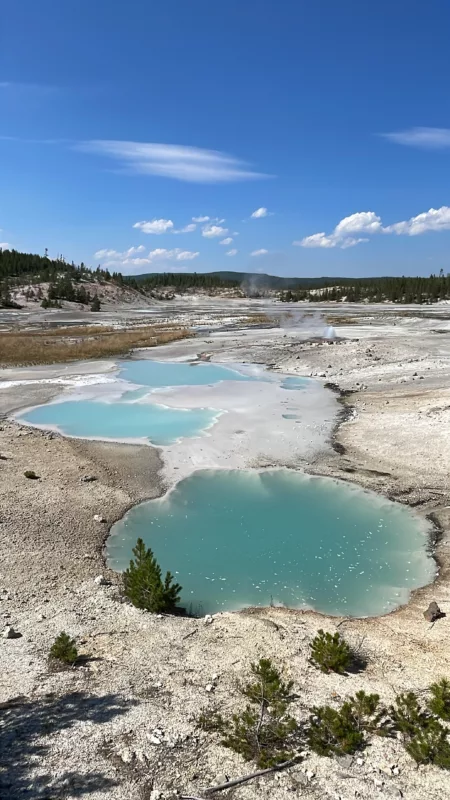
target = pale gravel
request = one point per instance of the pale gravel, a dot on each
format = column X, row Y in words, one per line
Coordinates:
column 149, row 675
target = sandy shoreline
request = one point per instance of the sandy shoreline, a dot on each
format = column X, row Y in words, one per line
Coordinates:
column 395, row 441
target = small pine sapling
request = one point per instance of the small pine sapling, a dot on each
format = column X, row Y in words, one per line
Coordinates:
column 429, row 745
column 330, row 652
column 264, row 732
column 143, row 584
column 439, row 703
column 334, row 732
column 63, row 650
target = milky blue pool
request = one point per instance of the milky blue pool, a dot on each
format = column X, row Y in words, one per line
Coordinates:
column 238, row 538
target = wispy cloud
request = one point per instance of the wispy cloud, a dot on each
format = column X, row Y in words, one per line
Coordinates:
column 131, row 252
column 190, row 228
column 128, row 261
column 260, row 213
column 232, row 252
column 211, row 231
column 184, row 163
column 200, row 219
column 155, row 226
column 426, row 138
column 227, row 240
column 5, row 246
column 346, row 232
column 261, row 252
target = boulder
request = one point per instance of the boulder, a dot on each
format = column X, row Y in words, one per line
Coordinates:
column 433, row 612
column 99, row 518
column 10, row 633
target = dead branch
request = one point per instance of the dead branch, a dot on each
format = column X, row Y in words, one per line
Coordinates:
column 237, row 781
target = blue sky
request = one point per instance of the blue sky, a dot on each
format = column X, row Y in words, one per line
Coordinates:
column 122, row 123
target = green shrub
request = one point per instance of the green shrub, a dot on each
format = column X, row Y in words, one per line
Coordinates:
column 429, row 745
column 334, row 732
column 263, row 732
column 439, row 704
column 63, row 649
column 407, row 716
column 425, row 738
column 330, row 652
column 344, row 731
column 144, row 586
column 369, row 716
column 29, row 473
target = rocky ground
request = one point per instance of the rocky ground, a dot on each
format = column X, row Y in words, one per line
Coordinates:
column 122, row 723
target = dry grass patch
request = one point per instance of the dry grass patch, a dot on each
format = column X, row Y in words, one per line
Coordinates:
column 76, row 344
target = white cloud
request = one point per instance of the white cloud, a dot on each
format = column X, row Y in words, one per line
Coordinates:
column 261, row 252
column 128, row 262
column 5, row 246
column 193, row 164
column 436, row 219
column 228, row 240
column 187, row 228
column 260, row 213
column 343, row 234
column 200, row 219
column 102, row 254
column 232, row 252
column 156, row 226
column 211, row 231
column 427, row 138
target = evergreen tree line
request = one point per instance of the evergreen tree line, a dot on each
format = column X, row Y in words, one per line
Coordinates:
column 378, row 290
column 180, row 282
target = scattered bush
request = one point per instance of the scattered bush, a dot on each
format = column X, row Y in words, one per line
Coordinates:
column 29, row 473
column 333, row 732
column 144, row 586
column 263, row 732
column 95, row 305
column 344, row 731
column 424, row 736
column 331, row 653
column 63, row 649
column 439, row 704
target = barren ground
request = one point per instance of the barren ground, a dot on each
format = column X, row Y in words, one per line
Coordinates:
column 123, row 723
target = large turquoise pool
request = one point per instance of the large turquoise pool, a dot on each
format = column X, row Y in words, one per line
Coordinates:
column 240, row 538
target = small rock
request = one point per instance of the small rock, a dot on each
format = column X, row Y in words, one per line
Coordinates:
column 310, row 774
column 155, row 795
column 10, row 633
column 126, row 755
column 99, row 518
column 345, row 761
column 209, row 687
column 208, row 619
column 433, row 612
column 394, row 791
column 154, row 739
column 101, row 581
column 88, row 478
column 360, row 762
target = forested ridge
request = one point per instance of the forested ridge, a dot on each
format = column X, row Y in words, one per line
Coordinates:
column 68, row 281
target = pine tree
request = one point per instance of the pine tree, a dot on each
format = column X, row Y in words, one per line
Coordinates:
column 95, row 305
column 263, row 732
column 63, row 649
column 330, row 653
column 144, row 586
column 439, row 703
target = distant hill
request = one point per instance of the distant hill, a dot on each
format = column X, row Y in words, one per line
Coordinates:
column 254, row 280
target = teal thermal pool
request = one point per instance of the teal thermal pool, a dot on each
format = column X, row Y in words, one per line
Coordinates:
column 235, row 539
column 159, row 402
column 122, row 420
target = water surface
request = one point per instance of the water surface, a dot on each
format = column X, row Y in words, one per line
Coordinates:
column 240, row 538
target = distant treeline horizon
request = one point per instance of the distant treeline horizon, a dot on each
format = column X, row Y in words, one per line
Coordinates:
column 18, row 268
